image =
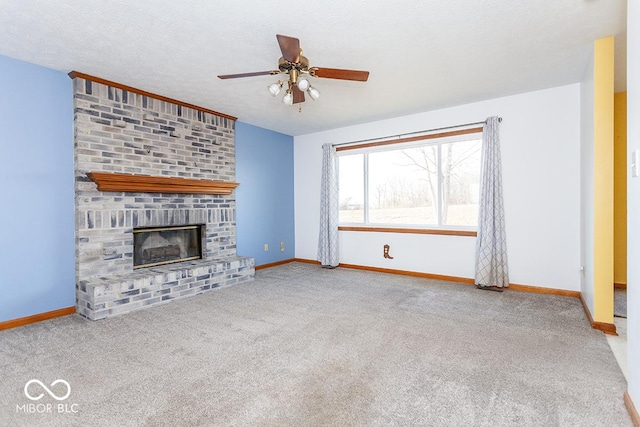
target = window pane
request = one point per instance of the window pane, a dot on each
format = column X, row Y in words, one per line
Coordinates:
column 460, row 182
column 403, row 186
column 351, row 188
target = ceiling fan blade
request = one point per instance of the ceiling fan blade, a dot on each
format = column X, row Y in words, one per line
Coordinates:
column 336, row 73
column 298, row 95
column 257, row 73
column 290, row 47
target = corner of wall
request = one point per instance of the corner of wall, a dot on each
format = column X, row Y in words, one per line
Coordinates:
column 603, row 179
column 620, row 189
column 633, row 203
column 597, row 181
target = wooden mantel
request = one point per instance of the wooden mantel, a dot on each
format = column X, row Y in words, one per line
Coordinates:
column 157, row 184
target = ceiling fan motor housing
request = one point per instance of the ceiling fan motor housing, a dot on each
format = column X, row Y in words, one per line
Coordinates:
column 286, row 66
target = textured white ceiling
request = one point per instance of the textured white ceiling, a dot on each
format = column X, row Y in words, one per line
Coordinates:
column 422, row 54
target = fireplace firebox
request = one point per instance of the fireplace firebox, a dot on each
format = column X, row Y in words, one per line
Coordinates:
column 166, row 245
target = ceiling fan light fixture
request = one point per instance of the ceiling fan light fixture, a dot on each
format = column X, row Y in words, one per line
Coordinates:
column 303, row 84
column 288, row 97
column 313, row 93
column 274, row 88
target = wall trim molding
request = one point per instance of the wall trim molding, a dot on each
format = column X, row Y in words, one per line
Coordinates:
column 633, row 412
column 14, row 323
column 274, row 264
column 76, row 74
column 620, row 286
column 540, row 290
column 607, row 328
column 455, row 279
column 466, row 280
column 307, row 261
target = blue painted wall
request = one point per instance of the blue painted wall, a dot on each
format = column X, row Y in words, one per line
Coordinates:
column 264, row 199
column 37, row 265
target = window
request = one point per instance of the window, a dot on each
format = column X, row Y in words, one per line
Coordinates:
column 430, row 181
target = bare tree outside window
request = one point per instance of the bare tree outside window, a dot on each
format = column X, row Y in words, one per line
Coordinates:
column 460, row 175
column 461, row 182
column 435, row 184
column 398, row 192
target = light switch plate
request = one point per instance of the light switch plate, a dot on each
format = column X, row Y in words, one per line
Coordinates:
column 635, row 157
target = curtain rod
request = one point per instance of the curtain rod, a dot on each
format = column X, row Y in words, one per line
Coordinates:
column 413, row 133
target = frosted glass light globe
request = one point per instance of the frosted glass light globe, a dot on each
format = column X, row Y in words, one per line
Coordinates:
column 313, row 93
column 274, row 88
column 303, row 84
column 288, row 98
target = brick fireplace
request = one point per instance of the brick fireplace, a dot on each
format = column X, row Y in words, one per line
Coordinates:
column 173, row 166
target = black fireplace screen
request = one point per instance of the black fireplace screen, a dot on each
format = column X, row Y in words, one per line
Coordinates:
column 157, row 246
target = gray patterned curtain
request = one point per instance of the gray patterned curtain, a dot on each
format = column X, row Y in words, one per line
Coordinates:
column 491, row 244
column 328, row 239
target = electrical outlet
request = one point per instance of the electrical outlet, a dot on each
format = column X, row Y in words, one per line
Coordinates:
column 281, row 246
column 266, row 247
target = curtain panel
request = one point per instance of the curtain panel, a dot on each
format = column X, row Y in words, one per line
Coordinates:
column 328, row 238
column 491, row 270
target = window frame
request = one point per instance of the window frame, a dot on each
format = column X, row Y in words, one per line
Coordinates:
column 437, row 139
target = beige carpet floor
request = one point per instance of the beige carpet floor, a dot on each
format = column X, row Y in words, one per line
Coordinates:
column 305, row 346
column 620, row 303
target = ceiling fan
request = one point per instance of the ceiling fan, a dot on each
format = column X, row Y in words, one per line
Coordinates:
column 297, row 67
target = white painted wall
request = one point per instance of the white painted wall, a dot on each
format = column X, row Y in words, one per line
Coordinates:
column 633, row 202
column 540, row 139
column 587, row 139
